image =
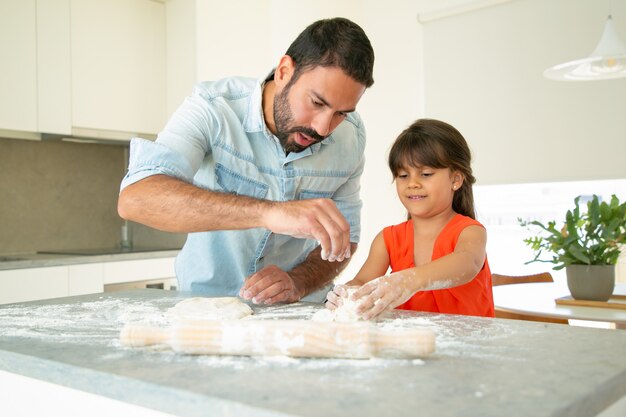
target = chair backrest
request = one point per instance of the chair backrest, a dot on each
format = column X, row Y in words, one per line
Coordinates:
column 498, row 279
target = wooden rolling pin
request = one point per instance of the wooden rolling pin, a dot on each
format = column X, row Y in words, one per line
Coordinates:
column 297, row 338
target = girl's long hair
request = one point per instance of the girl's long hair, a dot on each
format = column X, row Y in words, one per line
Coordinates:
column 436, row 144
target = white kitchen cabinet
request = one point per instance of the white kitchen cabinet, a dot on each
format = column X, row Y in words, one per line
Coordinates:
column 138, row 270
column 29, row 284
column 86, row 68
column 118, row 65
column 18, row 71
column 35, row 72
column 54, row 76
column 50, row 282
column 33, row 284
column 85, row 279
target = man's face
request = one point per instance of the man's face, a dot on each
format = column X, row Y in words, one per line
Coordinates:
column 286, row 128
column 309, row 109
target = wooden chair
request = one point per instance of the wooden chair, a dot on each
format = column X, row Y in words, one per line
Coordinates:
column 498, row 279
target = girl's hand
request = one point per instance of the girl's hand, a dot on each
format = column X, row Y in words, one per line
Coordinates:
column 335, row 297
column 382, row 294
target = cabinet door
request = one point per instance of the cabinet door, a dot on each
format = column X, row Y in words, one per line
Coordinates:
column 54, row 83
column 18, row 71
column 118, row 65
column 138, row 270
column 85, row 279
column 33, row 284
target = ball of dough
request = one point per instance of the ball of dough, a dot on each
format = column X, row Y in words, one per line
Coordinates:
column 210, row 308
column 345, row 312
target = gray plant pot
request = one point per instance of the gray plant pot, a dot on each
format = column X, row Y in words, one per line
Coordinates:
column 591, row 282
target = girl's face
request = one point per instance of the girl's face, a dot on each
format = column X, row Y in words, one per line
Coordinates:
column 427, row 192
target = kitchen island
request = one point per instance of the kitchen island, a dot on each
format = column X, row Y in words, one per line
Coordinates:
column 481, row 367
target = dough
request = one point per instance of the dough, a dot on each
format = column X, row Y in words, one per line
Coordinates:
column 344, row 313
column 210, row 308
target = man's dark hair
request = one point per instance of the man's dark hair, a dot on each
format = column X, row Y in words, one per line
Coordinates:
column 336, row 42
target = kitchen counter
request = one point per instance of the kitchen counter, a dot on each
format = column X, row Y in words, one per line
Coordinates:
column 481, row 367
column 41, row 260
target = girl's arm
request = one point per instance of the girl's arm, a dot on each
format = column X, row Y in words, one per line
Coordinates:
column 376, row 265
column 457, row 268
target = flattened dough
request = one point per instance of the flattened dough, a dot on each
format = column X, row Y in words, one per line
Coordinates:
column 210, row 308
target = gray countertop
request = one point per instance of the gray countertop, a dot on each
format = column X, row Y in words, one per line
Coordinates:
column 481, row 367
column 42, row 260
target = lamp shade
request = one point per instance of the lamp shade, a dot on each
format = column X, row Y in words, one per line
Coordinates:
column 607, row 61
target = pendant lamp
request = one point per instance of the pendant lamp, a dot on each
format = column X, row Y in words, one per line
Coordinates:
column 606, row 62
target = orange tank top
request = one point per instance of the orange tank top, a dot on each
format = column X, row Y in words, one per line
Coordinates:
column 474, row 298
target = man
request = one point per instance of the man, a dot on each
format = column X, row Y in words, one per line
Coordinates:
column 263, row 174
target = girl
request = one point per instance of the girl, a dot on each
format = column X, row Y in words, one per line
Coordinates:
column 437, row 257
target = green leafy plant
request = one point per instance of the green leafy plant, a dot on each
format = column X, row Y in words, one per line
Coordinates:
column 593, row 237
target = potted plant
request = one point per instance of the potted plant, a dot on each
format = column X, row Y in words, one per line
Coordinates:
column 587, row 245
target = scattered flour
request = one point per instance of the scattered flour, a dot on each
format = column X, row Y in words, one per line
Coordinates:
column 438, row 285
column 98, row 322
column 92, row 322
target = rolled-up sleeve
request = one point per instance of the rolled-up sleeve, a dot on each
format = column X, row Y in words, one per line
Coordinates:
column 179, row 148
column 151, row 158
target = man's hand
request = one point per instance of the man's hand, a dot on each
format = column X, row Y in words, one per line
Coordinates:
column 318, row 219
column 271, row 285
column 172, row 205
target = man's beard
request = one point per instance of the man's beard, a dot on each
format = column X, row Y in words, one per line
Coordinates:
column 283, row 120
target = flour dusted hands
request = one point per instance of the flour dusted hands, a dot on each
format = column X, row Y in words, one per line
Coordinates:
column 335, row 297
column 371, row 299
column 271, row 285
column 383, row 294
column 318, row 219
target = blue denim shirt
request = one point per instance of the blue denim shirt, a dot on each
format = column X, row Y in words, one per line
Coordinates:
column 218, row 140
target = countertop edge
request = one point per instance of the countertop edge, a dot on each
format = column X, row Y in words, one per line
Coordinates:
column 140, row 393
column 64, row 260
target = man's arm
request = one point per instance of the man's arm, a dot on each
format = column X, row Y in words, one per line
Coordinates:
column 172, row 205
column 273, row 285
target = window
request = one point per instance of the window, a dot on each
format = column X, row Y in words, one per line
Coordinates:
column 499, row 206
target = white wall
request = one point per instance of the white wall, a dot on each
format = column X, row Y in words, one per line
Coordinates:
column 233, row 38
column 483, row 74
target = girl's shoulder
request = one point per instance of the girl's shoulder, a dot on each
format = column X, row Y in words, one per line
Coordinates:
column 464, row 221
column 398, row 231
column 458, row 223
column 400, row 227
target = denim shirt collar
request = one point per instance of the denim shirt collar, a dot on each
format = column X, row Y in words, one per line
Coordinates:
column 255, row 122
